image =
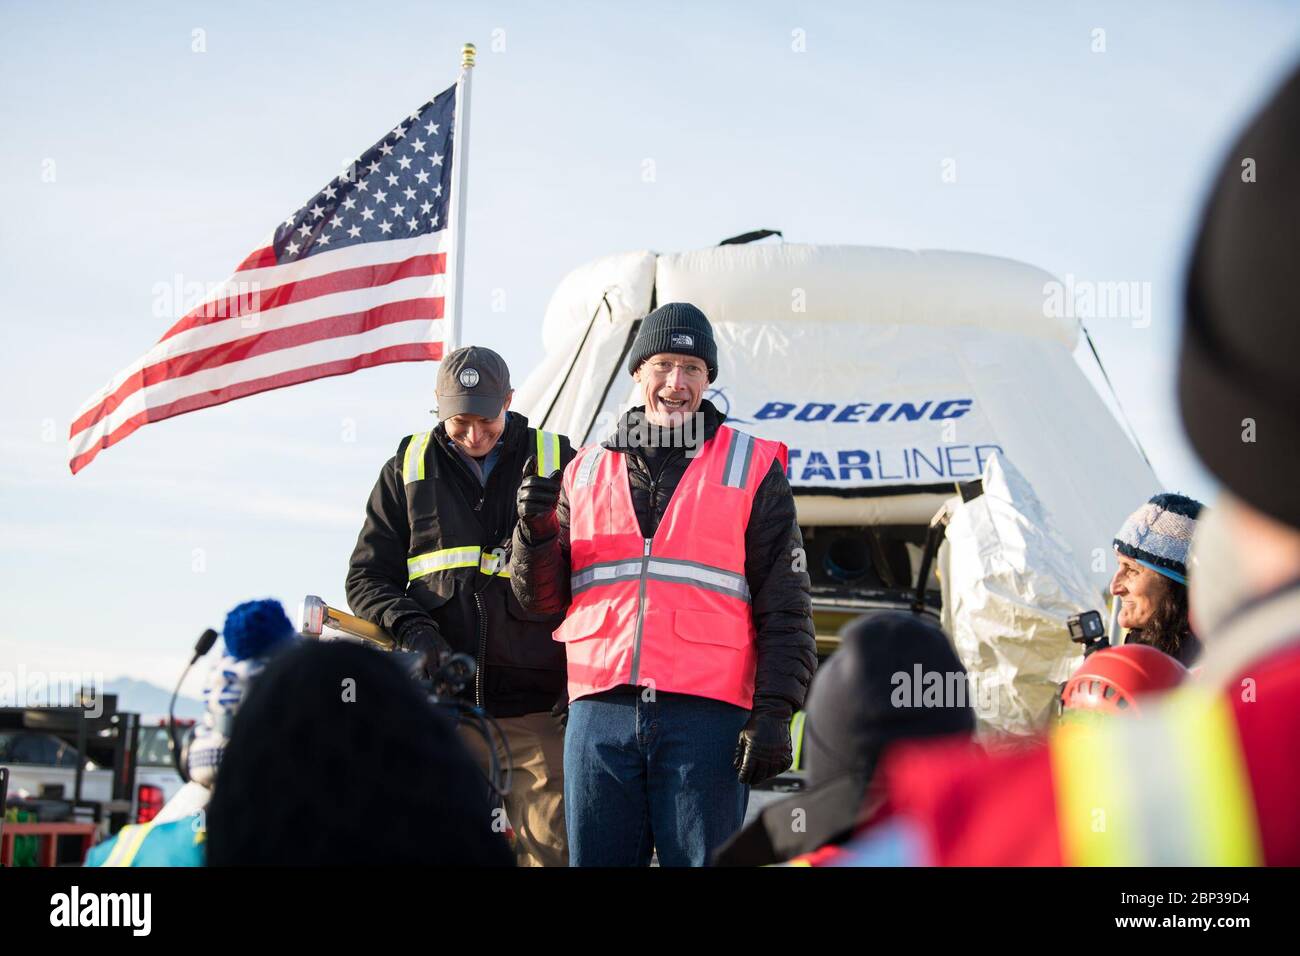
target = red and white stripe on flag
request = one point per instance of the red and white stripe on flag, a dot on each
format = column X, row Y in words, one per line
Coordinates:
column 269, row 326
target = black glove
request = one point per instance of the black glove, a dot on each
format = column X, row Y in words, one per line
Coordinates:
column 561, row 709
column 764, row 748
column 537, row 499
column 421, row 636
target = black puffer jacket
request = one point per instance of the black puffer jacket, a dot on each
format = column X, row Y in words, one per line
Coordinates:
column 781, row 603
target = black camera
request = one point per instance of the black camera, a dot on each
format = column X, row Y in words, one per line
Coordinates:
column 1087, row 629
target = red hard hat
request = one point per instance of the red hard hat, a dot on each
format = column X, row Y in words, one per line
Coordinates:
column 1111, row 680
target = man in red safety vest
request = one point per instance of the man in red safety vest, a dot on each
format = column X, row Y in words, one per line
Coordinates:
column 673, row 549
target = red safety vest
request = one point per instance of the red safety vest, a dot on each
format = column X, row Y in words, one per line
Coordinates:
column 669, row 612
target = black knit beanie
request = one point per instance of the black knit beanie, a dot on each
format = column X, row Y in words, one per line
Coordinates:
column 857, row 706
column 851, row 710
column 1237, row 384
column 337, row 758
column 676, row 327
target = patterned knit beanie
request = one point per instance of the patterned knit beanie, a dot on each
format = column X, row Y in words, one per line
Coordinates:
column 1158, row 535
column 254, row 631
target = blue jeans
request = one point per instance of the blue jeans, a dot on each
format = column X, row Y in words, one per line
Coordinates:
column 653, row 775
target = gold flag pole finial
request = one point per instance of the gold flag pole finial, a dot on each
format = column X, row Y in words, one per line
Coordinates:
column 459, row 150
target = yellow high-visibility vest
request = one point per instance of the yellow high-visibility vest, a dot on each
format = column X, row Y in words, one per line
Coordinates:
column 548, row 455
column 447, row 559
column 1167, row 788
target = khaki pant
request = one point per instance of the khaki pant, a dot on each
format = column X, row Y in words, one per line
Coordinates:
column 535, row 805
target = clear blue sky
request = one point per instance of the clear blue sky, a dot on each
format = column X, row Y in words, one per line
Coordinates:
column 169, row 162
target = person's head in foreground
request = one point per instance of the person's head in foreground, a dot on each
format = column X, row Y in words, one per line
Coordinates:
column 894, row 677
column 1238, row 388
column 336, row 757
column 1151, row 578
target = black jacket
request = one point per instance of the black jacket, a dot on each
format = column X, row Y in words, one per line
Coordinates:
column 522, row 667
column 781, row 601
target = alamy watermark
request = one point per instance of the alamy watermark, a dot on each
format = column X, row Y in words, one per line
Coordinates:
column 208, row 300
column 1085, row 299
column 638, row 431
column 956, row 689
column 128, row 910
column 81, row 689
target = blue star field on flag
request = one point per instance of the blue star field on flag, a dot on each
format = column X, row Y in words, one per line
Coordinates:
column 399, row 188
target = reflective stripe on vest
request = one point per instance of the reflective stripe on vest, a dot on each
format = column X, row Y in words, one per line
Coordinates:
column 740, row 453
column 129, row 840
column 796, row 738
column 1168, row 788
column 448, row 559
column 548, row 453
column 413, row 461
column 662, row 569
column 588, row 467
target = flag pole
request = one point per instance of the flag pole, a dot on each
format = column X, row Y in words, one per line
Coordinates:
column 459, row 150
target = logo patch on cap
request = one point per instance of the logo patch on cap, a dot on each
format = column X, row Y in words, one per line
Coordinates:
column 468, row 377
column 681, row 339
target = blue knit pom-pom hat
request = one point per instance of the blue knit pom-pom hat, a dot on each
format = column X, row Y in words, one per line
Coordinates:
column 253, row 628
column 1159, row 534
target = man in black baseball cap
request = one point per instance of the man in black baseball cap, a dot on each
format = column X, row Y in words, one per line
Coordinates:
column 430, row 566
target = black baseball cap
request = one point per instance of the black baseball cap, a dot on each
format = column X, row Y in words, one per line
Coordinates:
column 472, row 381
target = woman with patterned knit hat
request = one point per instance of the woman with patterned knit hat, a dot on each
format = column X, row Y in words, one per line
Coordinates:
column 1151, row 580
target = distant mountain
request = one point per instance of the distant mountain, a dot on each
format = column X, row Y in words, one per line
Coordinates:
column 150, row 700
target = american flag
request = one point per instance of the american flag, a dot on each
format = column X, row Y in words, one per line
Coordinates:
column 357, row 277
